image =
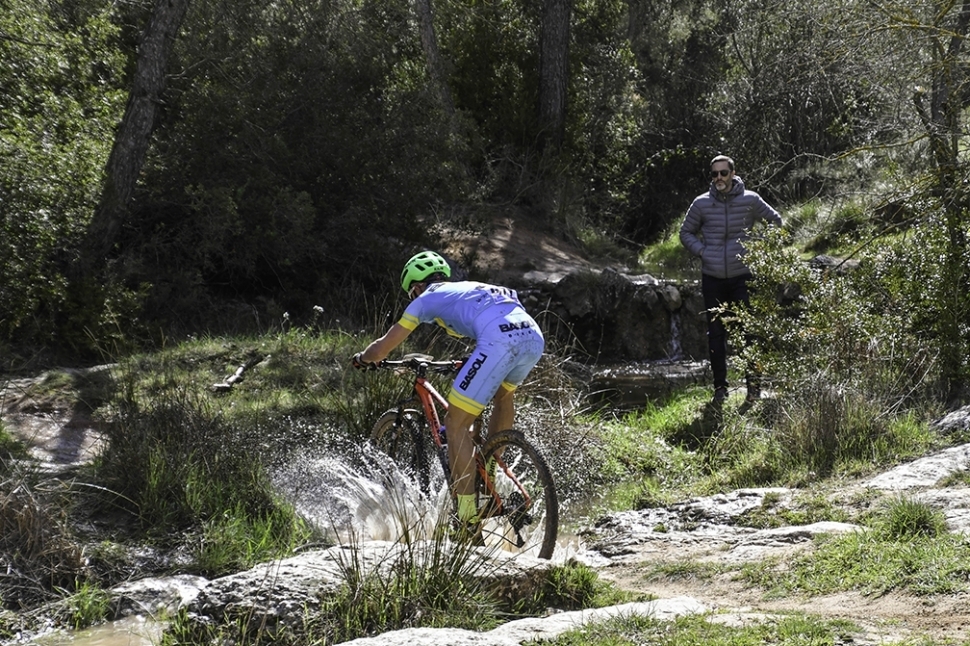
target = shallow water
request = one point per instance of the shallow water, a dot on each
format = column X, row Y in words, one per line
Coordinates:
column 131, row 631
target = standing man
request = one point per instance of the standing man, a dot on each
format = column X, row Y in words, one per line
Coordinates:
column 716, row 225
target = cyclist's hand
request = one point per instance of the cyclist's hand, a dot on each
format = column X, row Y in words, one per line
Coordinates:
column 358, row 363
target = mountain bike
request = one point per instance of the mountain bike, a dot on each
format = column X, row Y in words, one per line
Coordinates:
column 518, row 503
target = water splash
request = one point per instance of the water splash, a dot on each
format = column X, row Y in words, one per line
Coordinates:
column 361, row 497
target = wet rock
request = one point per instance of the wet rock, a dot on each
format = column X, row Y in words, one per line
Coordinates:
column 531, row 630
column 281, row 593
column 156, row 595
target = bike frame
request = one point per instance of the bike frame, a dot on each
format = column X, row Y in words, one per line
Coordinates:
column 428, row 395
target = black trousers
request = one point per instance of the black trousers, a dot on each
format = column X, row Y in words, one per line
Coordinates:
column 727, row 293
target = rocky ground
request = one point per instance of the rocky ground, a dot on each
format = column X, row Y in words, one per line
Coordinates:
column 626, row 547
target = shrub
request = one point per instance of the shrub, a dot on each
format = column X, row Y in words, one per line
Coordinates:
column 904, row 518
column 845, row 353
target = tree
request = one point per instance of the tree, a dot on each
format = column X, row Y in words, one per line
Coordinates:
column 133, row 135
column 553, row 72
column 429, row 43
column 948, row 33
column 61, row 94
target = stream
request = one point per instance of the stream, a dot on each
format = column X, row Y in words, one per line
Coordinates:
column 130, row 631
column 368, row 500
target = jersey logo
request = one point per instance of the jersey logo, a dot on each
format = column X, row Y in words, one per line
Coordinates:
column 509, row 327
column 467, row 381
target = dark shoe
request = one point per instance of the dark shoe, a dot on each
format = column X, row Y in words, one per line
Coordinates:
column 720, row 394
column 754, row 394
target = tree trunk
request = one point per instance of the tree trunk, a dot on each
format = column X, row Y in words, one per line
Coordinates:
column 553, row 72
column 133, row 135
column 429, row 43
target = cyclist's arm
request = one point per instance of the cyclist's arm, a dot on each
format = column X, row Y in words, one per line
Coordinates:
column 380, row 348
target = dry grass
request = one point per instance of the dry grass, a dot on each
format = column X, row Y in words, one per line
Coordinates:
column 37, row 554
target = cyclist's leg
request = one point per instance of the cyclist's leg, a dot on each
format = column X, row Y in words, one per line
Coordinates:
column 461, row 448
column 525, row 349
column 503, row 410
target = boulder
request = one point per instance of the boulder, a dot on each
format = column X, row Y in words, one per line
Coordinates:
column 615, row 318
column 280, row 594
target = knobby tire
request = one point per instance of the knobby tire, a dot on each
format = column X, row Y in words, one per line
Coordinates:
column 408, row 443
column 537, row 524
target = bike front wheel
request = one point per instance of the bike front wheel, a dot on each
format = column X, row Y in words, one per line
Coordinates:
column 520, row 509
column 404, row 436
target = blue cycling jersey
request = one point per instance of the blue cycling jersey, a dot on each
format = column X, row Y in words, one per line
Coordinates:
column 508, row 341
column 462, row 308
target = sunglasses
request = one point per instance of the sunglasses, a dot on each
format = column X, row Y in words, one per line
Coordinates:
column 724, row 172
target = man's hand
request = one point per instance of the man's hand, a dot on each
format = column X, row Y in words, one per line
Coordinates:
column 358, row 363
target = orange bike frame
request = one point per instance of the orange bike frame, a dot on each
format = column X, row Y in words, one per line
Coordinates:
column 429, row 396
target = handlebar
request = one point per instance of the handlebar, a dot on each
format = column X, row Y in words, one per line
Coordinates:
column 420, row 364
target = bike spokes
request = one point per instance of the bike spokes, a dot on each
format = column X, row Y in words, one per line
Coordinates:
column 520, row 509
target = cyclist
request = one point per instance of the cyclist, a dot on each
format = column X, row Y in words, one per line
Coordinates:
column 508, row 344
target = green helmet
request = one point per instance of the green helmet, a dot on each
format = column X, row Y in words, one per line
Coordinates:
column 421, row 266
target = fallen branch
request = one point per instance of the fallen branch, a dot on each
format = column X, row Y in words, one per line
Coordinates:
column 234, row 379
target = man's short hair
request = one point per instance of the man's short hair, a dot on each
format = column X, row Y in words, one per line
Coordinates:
column 723, row 158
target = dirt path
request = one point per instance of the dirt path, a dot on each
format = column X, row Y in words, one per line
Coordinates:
column 885, row 618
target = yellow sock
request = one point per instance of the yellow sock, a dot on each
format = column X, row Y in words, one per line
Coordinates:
column 468, row 508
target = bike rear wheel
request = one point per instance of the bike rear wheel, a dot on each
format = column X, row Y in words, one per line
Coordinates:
column 404, row 436
column 520, row 506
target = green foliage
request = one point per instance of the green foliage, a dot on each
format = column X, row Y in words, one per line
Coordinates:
column 235, row 540
column 293, row 187
column 637, row 458
column 86, row 605
column 10, row 448
column 61, row 97
column 668, row 259
column 846, row 352
column 841, row 229
column 905, row 518
column 872, row 563
column 812, row 508
column 906, row 547
column 571, row 586
column 180, row 465
column 429, row 584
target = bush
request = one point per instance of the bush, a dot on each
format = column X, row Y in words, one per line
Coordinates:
column 904, row 518
column 846, row 355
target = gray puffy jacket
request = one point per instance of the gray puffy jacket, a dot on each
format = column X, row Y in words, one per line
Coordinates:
column 716, row 224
